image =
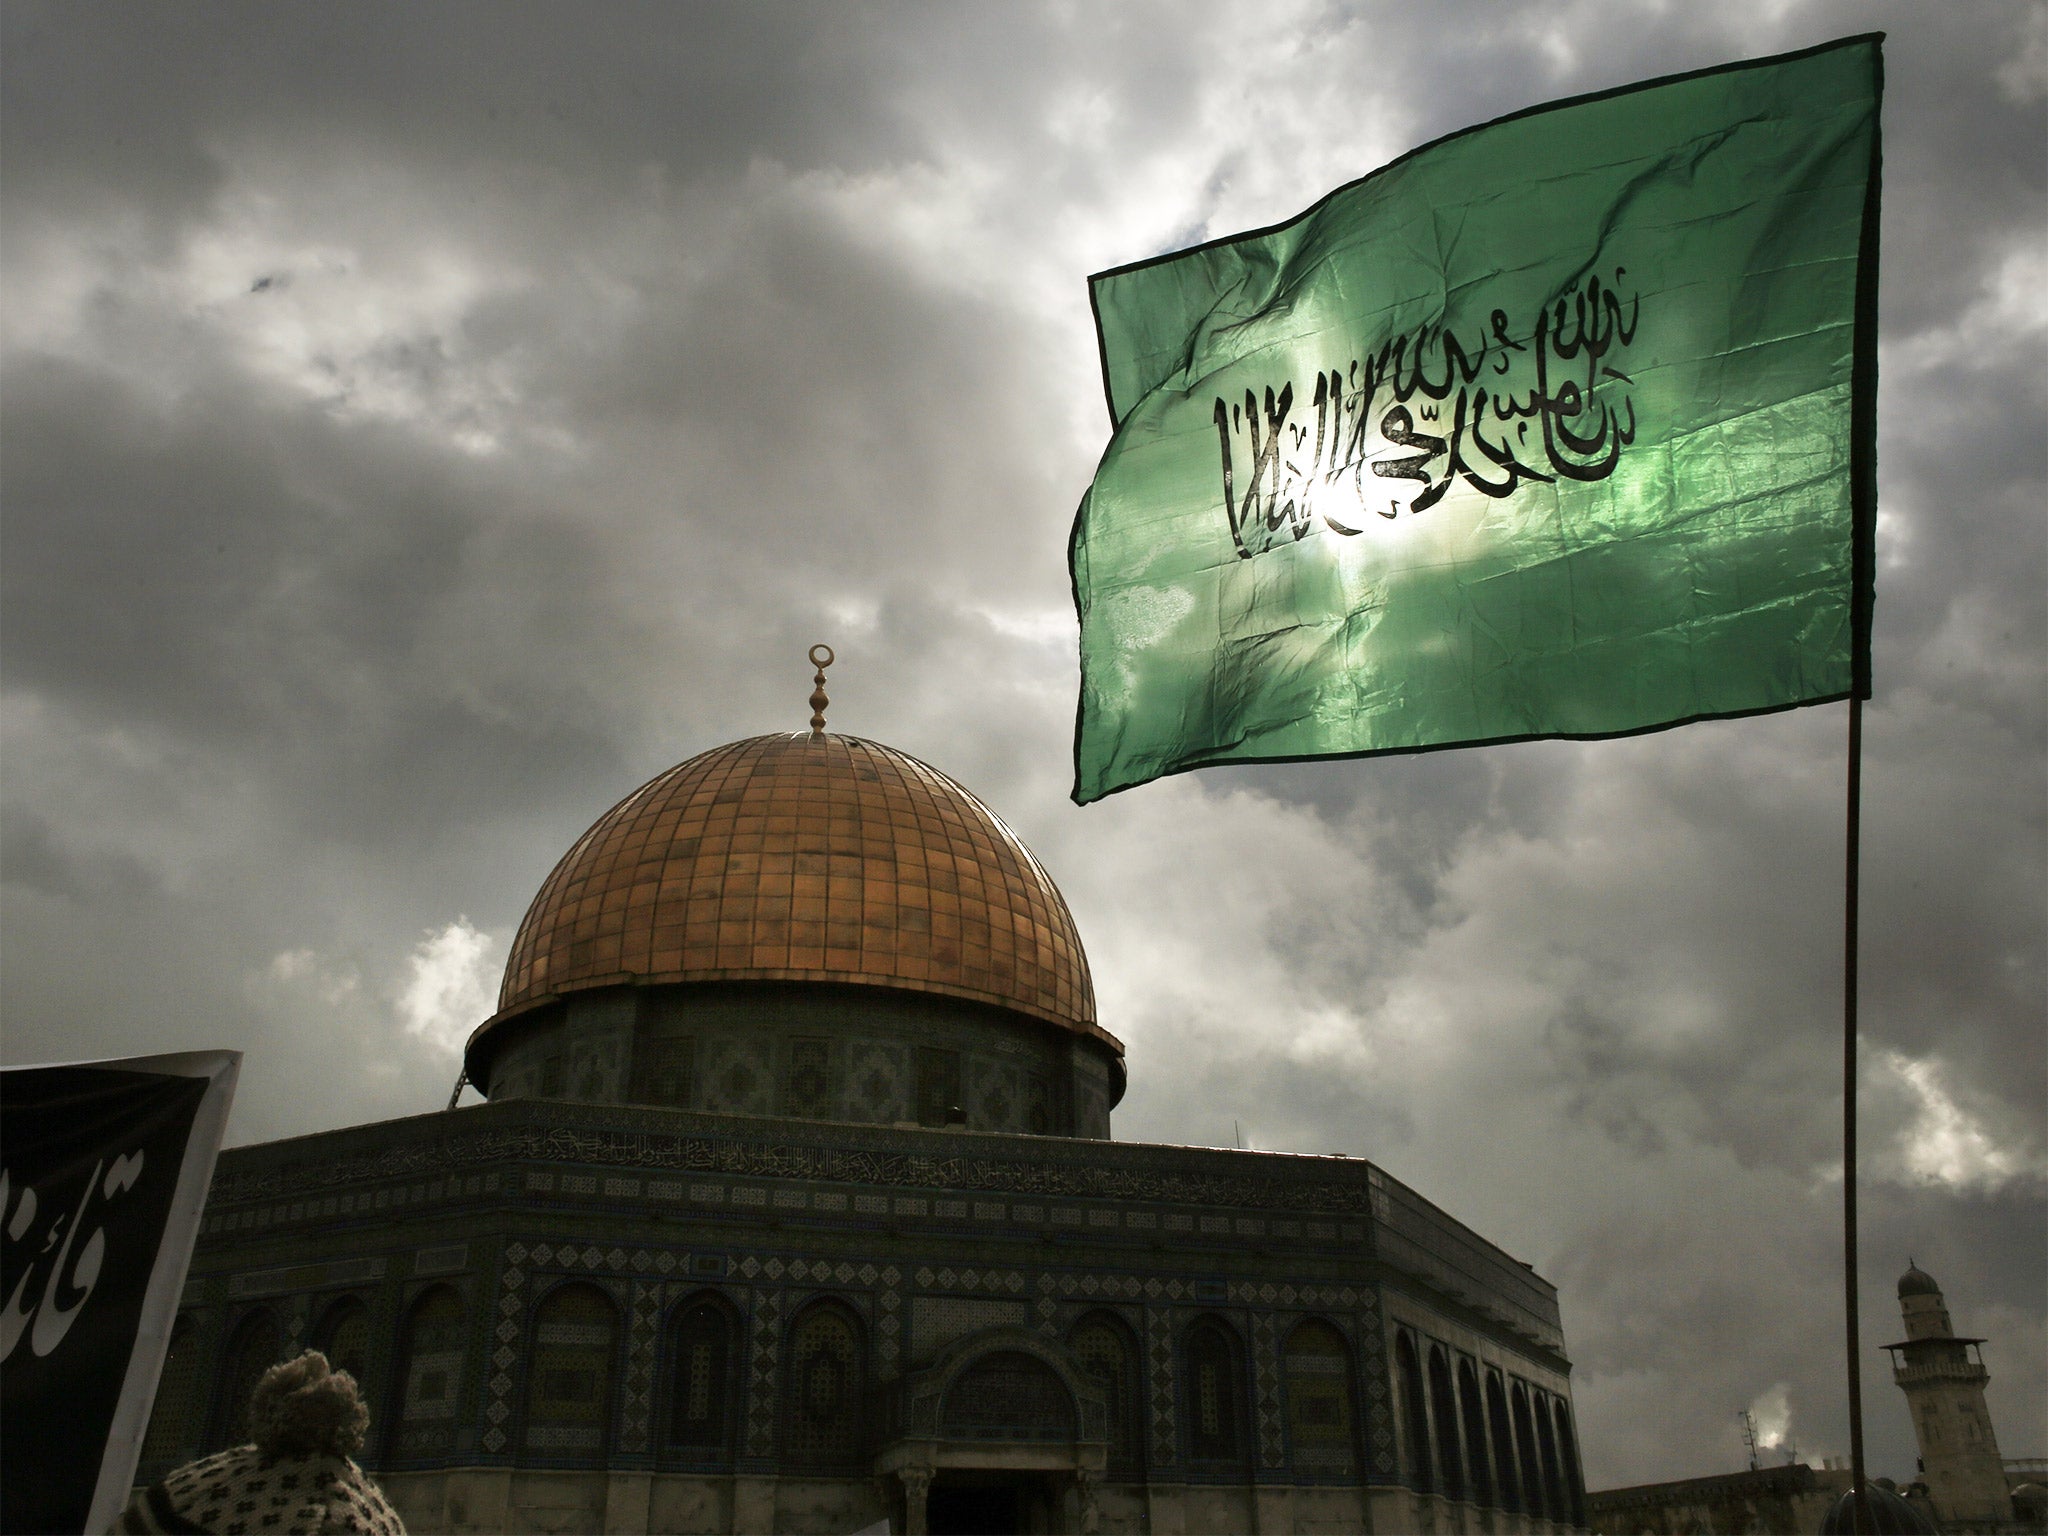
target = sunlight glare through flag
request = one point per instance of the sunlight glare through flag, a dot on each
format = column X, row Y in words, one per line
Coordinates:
column 1563, row 425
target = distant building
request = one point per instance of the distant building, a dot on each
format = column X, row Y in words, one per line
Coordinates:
column 1785, row 1499
column 1943, row 1378
column 793, row 1208
column 1963, row 1483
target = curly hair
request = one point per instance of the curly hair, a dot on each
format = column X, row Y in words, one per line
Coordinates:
column 304, row 1407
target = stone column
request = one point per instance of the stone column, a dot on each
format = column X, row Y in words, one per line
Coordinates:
column 917, row 1485
column 1089, row 1516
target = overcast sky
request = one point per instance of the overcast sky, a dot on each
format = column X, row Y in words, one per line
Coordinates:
column 422, row 424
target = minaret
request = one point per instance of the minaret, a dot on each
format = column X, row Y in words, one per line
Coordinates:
column 1943, row 1378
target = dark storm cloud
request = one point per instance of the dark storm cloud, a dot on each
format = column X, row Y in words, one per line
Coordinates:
column 422, row 424
column 135, row 100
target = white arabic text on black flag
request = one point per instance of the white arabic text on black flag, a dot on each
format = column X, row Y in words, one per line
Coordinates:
column 104, row 1168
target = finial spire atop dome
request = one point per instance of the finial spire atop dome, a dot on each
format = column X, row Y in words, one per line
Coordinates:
column 818, row 699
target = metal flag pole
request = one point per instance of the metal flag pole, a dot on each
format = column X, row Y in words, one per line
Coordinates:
column 1863, row 1520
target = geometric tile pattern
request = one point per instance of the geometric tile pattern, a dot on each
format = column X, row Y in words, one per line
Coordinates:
column 498, row 1407
column 1409, row 1233
column 1049, row 1299
column 1266, row 1392
column 1379, row 1413
column 888, row 1328
column 936, row 1321
column 971, row 1279
column 1159, row 1348
column 761, row 1360
column 641, row 1339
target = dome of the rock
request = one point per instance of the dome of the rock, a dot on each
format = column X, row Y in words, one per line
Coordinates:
column 805, row 857
column 794, row 884
column 794, row 1205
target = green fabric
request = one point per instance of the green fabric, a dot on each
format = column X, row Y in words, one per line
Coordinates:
column 1560, row 426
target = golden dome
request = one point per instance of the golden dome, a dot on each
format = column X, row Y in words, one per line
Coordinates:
column 805, row 857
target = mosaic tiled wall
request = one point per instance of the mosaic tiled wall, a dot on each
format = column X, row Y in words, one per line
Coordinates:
column 927, row 1236
column 943, row 1303
column 830, row 1057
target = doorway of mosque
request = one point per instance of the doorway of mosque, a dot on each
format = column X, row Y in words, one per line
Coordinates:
column 968, row 1503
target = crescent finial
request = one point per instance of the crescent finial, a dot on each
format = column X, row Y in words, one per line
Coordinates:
column 821, row 658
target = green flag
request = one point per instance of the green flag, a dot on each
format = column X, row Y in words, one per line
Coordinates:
column 1564, row 425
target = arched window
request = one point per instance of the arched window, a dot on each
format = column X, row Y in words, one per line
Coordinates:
column 1568, row 1455
column 344, row 1338
column 1449, row 1454
column 253, row 1350
column 1414, row 1413
column 1102, row 1347
column 825, row 1388
column 1316, row 1364
column 701, row 1389
column 1525, row 1451
column 1008, row 1395
column 428, row 1378
column 170, row 1420
column 1546, row 1447
column 1215, row 1389
column 1473, row 1417
column 1507, row 1485
column 569, row 1377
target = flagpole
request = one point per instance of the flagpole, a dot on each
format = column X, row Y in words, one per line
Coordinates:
column 1850, row 877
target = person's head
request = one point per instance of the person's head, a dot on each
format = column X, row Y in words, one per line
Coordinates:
column 304, row 1407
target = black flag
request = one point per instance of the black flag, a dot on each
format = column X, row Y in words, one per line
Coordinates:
column 103, row 1170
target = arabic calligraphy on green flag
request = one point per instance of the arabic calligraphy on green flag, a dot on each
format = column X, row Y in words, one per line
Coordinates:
column 1560, row 426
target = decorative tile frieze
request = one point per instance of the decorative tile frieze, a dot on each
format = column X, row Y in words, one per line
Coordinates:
column 305, row 1277
column 1097, row 1170
column 1266, row 1392
column 761, row 1372
column 497, row 1404
column 1160, row 1373
column 1372, row 1365
column 446, row 1259
column 642, row 1340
